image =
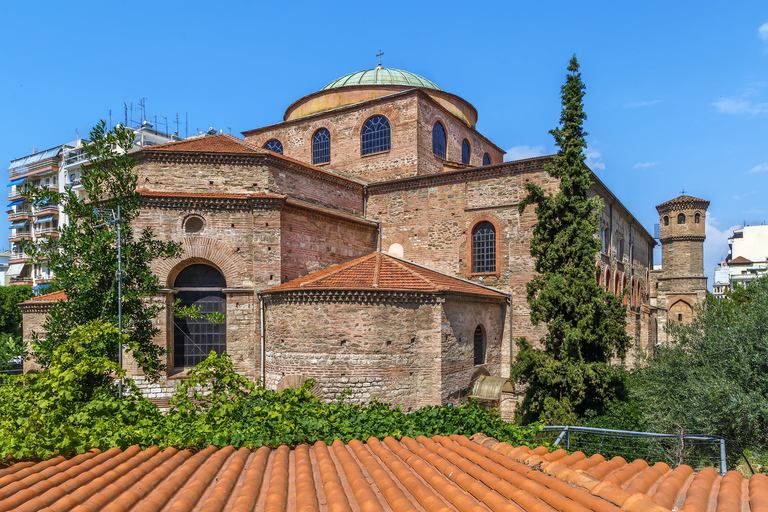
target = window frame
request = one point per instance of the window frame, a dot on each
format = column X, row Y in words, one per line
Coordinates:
column 680, row 216
column 444, row 141
column 466, row 152
column 483, row 346
column 272, row 150
column 316, row 150
column 471, row 247
column 486, row 159
column 362, row 135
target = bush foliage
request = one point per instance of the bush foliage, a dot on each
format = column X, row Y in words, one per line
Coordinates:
column 73, row 407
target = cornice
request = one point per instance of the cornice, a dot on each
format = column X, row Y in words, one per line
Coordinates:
column 350, row 297
column 195, row 157
column 212, row 203
column 698, row 204
column 474, row 174
column 325, row 214
column 319, row 174
column 38, row 307
column 683, row 238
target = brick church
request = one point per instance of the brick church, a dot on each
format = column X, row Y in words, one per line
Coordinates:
column 371, row 241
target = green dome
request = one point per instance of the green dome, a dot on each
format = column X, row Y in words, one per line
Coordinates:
column 382, row 76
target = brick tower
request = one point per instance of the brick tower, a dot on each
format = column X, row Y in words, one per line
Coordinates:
column 680, row 284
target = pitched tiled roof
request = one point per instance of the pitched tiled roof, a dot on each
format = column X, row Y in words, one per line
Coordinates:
column 219, row 143
column 48, row 297
column 437, row 474
column 380, row 271
column 740, row 259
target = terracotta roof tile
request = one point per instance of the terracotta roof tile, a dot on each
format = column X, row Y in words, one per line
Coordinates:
column 48, row 297
column 380, row 271
column 219, row 143
column 740, row 259
column 439, row 474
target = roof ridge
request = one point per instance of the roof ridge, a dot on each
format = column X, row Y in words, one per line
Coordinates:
column 418, row 276
column 341, row 267
column 377, row 270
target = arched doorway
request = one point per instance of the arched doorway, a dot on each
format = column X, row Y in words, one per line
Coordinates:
column 193, row 338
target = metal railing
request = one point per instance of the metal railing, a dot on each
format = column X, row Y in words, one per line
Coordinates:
column 696, row 450
column 26, row 212
column 18, row 256
column 76, row 156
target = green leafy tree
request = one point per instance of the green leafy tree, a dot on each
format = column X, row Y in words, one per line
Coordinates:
column 586, row 326
column 10, row 314
column 714, row 379
column 84, row 255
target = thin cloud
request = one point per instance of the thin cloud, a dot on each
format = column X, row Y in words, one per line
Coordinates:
column 594, row 159
column 759, row 168
column 644, row 165
column 523, row 152
column 742, row 104
column 715, row 245
column 762, row 32
column 640, row 104
column 745, row 194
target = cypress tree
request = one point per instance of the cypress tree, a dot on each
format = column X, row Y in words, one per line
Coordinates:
column 586, row 326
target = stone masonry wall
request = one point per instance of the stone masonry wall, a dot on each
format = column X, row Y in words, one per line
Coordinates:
column 387, row 351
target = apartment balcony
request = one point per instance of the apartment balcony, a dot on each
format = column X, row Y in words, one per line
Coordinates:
column 20, row 214
column 16, row 194
column 46, row 209
column 18, row 237
column 18, row 257
column 46, row 232
column 21, row 280
column 76, row 157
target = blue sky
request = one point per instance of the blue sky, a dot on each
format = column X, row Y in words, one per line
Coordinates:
column 677, row 92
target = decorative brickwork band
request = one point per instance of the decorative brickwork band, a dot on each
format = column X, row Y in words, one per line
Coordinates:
column 683, row 238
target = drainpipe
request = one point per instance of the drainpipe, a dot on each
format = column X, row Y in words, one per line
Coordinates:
column 261, row 325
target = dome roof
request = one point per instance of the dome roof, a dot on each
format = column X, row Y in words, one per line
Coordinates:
column 382, row 76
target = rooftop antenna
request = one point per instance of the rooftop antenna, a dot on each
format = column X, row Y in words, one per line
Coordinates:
column 177, row 123
column 110, row 119
column 165, row 120
column 143, row 109
column 379, row 56
column 77, row 134
column 186, row 125
column 682, row 192
column 125, row 108
column 230, row 129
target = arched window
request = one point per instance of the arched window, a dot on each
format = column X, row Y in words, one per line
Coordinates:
column 321, row 147
column 608, row 279
column 599, row 276
column 697, row 218
column 681, row 218
column 479, row 345
column 201, row 286
column 666, row 220
column 465, row 152
column 438, row 140
column 484, row 248
column 486, row 159
column 274, row 145
column 376, row 135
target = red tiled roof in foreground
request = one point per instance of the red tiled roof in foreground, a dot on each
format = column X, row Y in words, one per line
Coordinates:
column 219, row 143
column 380, row 271
column 740, row 259
column 48, row 297
column 437, row 474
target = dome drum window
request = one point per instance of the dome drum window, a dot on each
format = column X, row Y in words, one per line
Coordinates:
column 465, row 152
column 376, row 135
column 681, row 218
column 486, row 159
column 275, row 146
column 479, row 345
column 438, row 140
column 321, row 147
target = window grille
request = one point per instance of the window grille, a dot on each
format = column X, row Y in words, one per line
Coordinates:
column 486, row 159
column 681, row 218
column 274, row 145
column 484, row 248
column 438, row 140
column 479, row 346
column 199, row 285
column 465, row 152
column 376, row 135
column 321, row 147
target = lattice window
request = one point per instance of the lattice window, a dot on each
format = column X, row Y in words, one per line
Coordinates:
column 479, row 345
column 274, row 145
column 486, row 159
column 484, row 248
column 438, row 140
column 465, row 152
column 202, row 286
column 321, row 147
column 376, row 135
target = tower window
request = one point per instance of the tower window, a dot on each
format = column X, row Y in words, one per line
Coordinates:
column 666, row 220
column 465, row 152
column 486, row 159
column 484, row 248
column 696, row 218
column 275, row 146
column 605, row 239
column 681, row 218
column 321, row 147
column 438, row 140
column 479, row 343
column 376, row 135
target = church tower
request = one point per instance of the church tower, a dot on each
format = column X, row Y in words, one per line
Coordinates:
column 681, row 283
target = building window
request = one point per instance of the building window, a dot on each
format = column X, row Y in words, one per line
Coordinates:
column 666, row 220
column 321, row 147
column 681, row 218
column 274, row 145
column 465, row 152
column 484, row 248
column 193, row 225
column 479, row 345
column 376, row 135
column 438, row 140
column 605, row 239
column 696, row 218
column 620, row 249
column 201, row 286
column 486, row 159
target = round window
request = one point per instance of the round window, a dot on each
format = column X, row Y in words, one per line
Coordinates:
column 193, row 225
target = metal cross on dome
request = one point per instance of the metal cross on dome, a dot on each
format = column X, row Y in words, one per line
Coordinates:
column 379, row 56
